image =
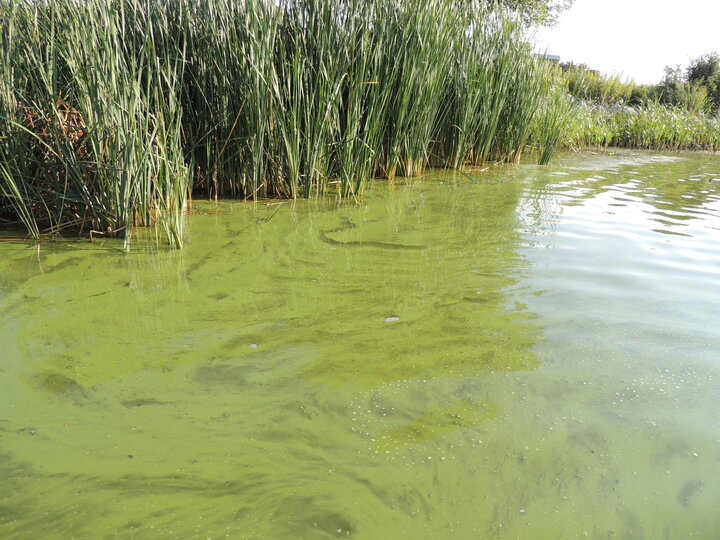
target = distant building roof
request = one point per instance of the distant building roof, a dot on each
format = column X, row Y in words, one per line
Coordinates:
column 551, row 57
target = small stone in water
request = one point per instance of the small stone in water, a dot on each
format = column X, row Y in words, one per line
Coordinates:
column 392, row 319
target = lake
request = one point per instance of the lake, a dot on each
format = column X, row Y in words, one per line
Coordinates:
column 520, row 352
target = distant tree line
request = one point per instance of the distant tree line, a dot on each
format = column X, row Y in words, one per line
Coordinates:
column 695, row 88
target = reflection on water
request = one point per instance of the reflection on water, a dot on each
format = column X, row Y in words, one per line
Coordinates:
column 532, row 355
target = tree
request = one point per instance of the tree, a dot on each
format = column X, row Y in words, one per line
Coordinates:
column 697, row 87
column 704, row 71
column 537, row 12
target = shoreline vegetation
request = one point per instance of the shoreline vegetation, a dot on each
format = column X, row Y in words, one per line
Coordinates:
column 114, row 114
column 679, row 113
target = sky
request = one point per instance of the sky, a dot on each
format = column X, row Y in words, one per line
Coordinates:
column 634, row 38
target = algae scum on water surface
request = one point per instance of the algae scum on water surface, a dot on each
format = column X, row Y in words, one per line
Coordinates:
column 541, row 364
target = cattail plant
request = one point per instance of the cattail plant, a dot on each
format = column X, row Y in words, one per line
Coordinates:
column 113, row 113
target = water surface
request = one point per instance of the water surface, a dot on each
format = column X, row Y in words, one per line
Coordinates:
column 528, row 353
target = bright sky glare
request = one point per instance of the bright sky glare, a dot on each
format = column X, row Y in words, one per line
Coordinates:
column 634, row 38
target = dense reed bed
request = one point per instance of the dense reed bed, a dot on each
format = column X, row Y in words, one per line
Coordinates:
column 653, row 126
column 112, row 113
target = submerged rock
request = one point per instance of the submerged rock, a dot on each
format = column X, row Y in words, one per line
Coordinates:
column 689, row 491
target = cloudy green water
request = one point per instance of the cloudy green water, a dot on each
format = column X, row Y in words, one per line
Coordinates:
column 532, row 355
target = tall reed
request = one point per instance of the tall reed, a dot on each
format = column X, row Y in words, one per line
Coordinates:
column 113, row 111
column 492, row 93
column 553, row 122
column 90, row 118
